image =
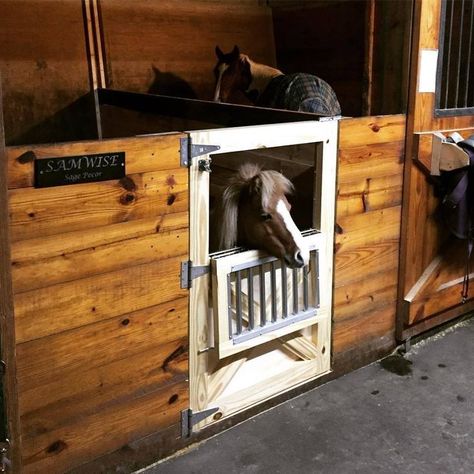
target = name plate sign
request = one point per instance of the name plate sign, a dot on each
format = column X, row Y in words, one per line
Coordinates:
column 79, row 169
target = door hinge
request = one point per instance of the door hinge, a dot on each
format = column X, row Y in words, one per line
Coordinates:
column 5, row 463
column 190, row 419
column 188, row 151
column 190, row 272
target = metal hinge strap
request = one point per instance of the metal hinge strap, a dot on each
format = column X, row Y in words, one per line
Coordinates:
column 190, row 272
column 190, row 419
column 188, row 151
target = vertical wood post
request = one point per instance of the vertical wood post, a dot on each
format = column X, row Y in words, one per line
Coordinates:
column 7, row 322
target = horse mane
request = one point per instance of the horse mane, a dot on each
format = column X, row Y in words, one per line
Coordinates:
column 269, row 182
column 260, row 75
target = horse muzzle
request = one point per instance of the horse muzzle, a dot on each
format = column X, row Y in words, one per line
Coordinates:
column 295, row 260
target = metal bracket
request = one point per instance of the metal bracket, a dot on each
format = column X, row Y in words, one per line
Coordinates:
column 189, row 419
column 189, row 272
column 188, row 151
column 205, row 165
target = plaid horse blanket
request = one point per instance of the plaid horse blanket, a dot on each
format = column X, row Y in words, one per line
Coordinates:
column 301, row 92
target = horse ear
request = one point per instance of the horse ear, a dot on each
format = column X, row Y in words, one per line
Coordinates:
column 235, row 52
column 219, row 53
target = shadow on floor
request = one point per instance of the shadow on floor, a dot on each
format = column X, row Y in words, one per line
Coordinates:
column 412, row 414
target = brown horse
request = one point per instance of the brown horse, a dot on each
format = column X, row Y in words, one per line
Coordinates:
column 266, row 86
column 256, row 214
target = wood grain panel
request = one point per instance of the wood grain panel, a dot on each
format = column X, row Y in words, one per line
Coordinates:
column 43, row 360
column 9, row 389
column 197, row 26
column 43, row 62
column 427, row 21
column 372, row 258
column 377, row 324
column 110, row 429
column 365, row 295
column 142, row 155
column 48, row 211
column 370, row 161
column 371, row 130
column 367, row 246
column 68, row 266
column 368, row 228
column 42, row 248
column 42, row 312
column 370, row 194
column 84, row 392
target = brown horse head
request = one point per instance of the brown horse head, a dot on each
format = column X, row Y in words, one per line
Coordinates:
column 256, row 214
column 232, row 73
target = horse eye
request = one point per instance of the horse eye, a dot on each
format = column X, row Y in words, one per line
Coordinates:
column 265, row 216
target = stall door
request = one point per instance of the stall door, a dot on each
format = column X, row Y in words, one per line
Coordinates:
column 433, row 263
column 101, row 320
column 258, row 328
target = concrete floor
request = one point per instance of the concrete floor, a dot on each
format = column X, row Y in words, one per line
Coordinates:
column 370, row 421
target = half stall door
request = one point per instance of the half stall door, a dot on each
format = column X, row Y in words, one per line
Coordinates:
column 433, row 262
column 257, row 328
column 101, row 320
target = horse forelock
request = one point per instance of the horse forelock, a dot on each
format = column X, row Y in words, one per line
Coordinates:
column 272, row 186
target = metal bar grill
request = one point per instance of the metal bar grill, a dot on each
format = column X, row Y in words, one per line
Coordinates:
column 284, row 290
column 251, row 315
column 259, row 291
column 273, row 291
column 455, row 91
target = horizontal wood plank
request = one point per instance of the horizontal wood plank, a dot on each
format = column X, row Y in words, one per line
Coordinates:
column 363, row 330
column 370, row 161
column 366, row 294
column 366, row 261
column 44, row 360
column 85, row 392
column 142, row 155
column 70, row 305
column 357, row 197
column 69, row 266
column 364, row 131
column 42, row 212
column 41, row 248
column 368, row 228
column 105, row 431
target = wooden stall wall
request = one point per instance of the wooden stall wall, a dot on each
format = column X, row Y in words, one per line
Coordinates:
column 360, row 47
column 167, row 47
column 101, row 322
column 368, row 219
column 432, row 265
column 325, row 38
column 44, row 71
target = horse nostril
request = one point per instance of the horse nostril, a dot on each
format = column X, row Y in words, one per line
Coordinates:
column 299, row 258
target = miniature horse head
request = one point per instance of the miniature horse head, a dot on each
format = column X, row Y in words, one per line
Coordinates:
column 256, row 214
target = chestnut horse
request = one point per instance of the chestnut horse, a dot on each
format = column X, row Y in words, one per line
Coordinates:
column 256, row 214
column 266, row 86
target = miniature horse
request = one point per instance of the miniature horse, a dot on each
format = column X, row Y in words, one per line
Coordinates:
column 256, row 214
column 266, row 86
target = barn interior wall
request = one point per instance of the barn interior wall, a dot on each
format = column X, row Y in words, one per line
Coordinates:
column 168, row 47
column 325, row 39
column 44, row 71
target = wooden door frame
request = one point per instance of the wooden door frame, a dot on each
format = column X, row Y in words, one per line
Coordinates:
column 420, row 120
column 7, row 320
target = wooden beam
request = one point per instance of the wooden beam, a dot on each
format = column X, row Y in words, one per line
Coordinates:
column 7, row 319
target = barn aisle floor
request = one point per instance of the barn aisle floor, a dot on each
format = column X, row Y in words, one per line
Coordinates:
column 419, row 420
